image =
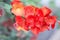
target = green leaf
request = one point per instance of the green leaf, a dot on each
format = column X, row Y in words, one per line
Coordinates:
column 36, row 0
column 3, row 37
column 6, row 6
column 32, row 2
column 1, row 0
column 13, row 33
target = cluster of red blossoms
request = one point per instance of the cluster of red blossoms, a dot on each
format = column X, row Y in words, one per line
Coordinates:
column 32, row 18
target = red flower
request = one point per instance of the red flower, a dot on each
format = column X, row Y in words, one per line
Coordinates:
column 17, row 10
column 21, row 22
column 38, row 12
column 35, row 19
column 35, row 30
column 46, row 11
column 1, row 12
column 51, row 20
column 29, row 10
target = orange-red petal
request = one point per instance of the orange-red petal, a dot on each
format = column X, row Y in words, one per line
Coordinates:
column 46, row 11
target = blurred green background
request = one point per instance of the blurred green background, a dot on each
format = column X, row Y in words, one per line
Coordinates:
column 7, row 32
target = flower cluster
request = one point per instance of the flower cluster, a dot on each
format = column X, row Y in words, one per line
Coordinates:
column 33, row 18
